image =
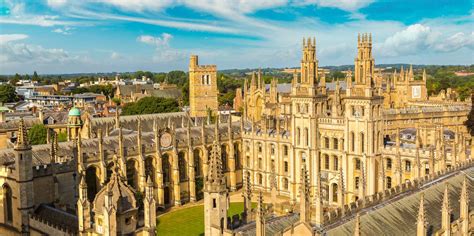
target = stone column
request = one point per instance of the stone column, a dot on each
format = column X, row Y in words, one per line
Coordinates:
column 233, row 177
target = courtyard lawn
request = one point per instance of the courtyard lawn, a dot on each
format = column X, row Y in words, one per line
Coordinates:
column 189, row 221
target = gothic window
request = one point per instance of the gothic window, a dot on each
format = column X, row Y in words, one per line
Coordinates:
column 208, row 80
column 92, row 181
column 260, row 179
column 150, row 168
column 132, row 177
column 362, row 144
column 182, row 167
column 285, row 183
column 335, row 161
column 352, row 141
column 326, row 162
column 326, row 142
column 334, row 192
column 356, row 182
column 238, row 164
column 335, row 143
column 197, row 162
column 166, row 168
column 357, row 164
column 407, row 166
column 8, row 203
column 427, row 169
column 389, row 164
column 203, row 81
column 353, row 110
column 389, row 182
column 286, row 166
column 224, row 157
column 306, row 136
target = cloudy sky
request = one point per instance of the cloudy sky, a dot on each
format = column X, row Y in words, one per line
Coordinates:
column 68, row 36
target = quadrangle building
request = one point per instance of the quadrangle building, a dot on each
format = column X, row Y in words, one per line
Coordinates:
column 355, row 138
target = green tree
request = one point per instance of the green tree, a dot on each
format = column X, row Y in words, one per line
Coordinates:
column 150, row 105
column 35, row 76
column 8, row 93
column 15, row 79
column 37, row 134
column 62, row 137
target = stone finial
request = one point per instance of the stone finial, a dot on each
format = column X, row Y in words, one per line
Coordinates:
column 260, row 220
column 421, row 221
column 22, row 137
column 357, row 230
column 464, row 207
column 305, row 211
column 446, row 211
column 215, row 180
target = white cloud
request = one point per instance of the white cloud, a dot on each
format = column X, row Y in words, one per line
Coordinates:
column 5, row 38
column 163, row 51
column 347, row 5
column 418, row 38
column 455, row 42
column 115, row 56
column 162, row 41
column 66, row 30
column 56, row 3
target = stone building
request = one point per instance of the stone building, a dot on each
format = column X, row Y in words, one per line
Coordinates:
column 341, row 134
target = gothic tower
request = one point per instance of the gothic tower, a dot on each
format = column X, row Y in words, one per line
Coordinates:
column 215, row 195
column 363, row 114
column 24, row 179
column 307, row 106
column 202, row 88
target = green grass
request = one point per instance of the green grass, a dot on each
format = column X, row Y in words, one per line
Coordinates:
column 189, row 221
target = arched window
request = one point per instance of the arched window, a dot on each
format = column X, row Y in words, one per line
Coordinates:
column 197, row 162
column 352, row 143
column 334, row 192
column 285, row 183
column 166, row 168
column 150, row 168
column 335, row 143
column 132, row 170
column 362, row 143
column 407, row 166
column 224, row 157
column 8, row 203
column 356, row 182
column 260, row 179
column 238, row 163
column 427, row 169
column 335, row 161
column 182, row 165
column 389, row 182
column 326, row 162
column 389, row 164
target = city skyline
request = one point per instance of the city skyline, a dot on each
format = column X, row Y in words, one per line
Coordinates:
column 61, row 36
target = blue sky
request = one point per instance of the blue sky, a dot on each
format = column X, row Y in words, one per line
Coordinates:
column 69, row 36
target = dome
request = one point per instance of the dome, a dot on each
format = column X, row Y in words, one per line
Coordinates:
column 74, row 112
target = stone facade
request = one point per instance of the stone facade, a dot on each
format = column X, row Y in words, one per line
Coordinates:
column 202, row 88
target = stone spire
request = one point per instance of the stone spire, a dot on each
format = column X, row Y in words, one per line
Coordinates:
column 247, row 192
column 22, row 137
column 305, row 210
column 149, row 209
column 464, row 206
column 83, row 207
column 357, row 231
column 260, row 218
column 319, row 219
column 424, row 75
column 421, row 221
column 446, row 212
column 215, row 179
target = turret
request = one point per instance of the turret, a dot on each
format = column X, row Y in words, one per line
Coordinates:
column 421, row 221
column 446, row 212
column 149, row 209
